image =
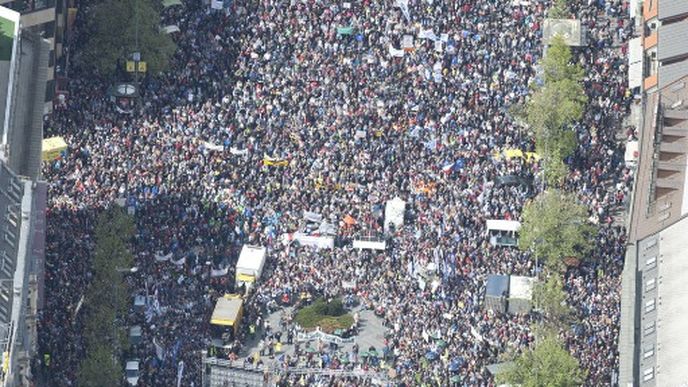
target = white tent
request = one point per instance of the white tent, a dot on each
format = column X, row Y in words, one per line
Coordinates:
column 394, row 213
column 520, row 294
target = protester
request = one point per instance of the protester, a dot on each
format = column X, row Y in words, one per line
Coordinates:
column 357, row 126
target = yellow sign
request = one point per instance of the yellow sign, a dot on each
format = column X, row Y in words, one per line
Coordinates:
column 133, row 66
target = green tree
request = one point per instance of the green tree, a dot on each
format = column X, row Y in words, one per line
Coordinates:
column 549, row 112
column 555, row 169
column 106, row 298
column 555, row 226
column 114, row 24
column 559, row 10
column 547, row 365
column 549, row 296
column 558, row 65
column 552, row 108
column 100, row 368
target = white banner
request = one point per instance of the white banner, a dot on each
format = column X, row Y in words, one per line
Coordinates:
column 180, row 261
column 219, row 272
column 180, row 372
column 327, row 229
column 159, row 351
column 319, row 335
column 312, row 216
column 403, row 5
column 427, row 34
column 216, row 4
column 163, row 258
column 213, row 147
column 396, row 53
column 238, row 152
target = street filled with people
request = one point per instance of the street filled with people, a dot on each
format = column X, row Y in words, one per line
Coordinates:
column 274, row 108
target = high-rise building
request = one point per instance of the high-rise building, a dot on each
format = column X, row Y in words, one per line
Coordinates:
column 49, row 19
column 24, row 62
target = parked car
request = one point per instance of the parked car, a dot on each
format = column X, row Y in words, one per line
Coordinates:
column 132, row 372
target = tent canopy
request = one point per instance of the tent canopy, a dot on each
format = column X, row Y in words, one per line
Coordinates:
column 521, row 287
column 503, row 225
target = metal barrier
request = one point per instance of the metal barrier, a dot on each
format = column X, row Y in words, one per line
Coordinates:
column 226, row 373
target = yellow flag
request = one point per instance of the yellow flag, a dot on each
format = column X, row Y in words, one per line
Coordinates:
column 131, row 66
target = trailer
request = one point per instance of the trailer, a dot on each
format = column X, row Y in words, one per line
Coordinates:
column 250, row 265
column 226, row 319
column 520, row 294
column 496, row 292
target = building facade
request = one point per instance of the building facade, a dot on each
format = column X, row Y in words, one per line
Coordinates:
column 654, row 295
column 24, row 65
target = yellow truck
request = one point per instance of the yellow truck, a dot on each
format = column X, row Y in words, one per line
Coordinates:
column 226, row 319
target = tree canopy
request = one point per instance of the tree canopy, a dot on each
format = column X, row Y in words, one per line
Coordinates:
column 549, row 296
column 553, row 107
column 555, row 226
column 113, row 26
column 559, row 10
column 548, row 364
column 106, row 300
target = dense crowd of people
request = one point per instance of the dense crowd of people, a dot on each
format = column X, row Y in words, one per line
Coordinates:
column 358, row 124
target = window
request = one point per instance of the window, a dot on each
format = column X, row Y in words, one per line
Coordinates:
column 651, row 244
column 651, row 262
column 649, row 328
column 650, row 285
column 648, row 352
column 49, row 29
column 648, row 374
column 50, row 90
column 650, row 306
column 10, row 241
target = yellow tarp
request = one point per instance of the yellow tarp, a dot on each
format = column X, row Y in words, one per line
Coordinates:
column 529, row 157
column 245, row 278
column 52, row 147
column 511, row 153
column 274, row 162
